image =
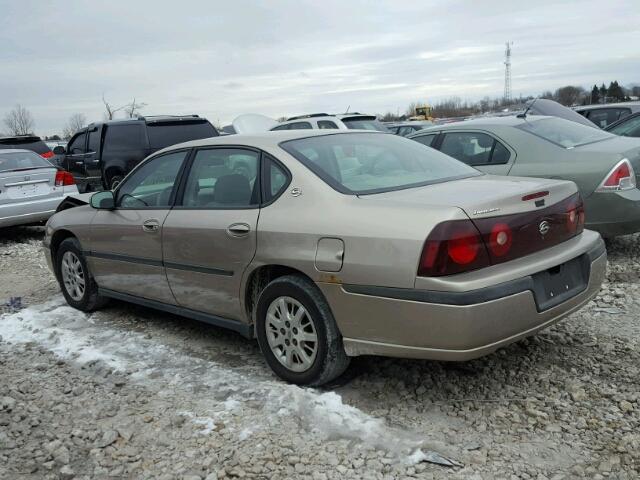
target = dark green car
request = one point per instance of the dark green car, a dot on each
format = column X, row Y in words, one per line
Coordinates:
column 603, row 165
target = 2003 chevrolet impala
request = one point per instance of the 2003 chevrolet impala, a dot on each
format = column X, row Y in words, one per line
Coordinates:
column 327, row 245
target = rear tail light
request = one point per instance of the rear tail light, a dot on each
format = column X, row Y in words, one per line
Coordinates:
column 64, row 178
column 621, row 177
column 47, row 155
column 463, row 245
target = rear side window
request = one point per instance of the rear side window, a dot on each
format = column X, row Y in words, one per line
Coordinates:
column 300, row 126
column 606, row 116
column 280, row 127
column 275, row 179
column 326, row 124
column 425, row 139
column 22, row 161
column 121, row 138
column 164, row 134
column 474, row 148
column 77, row 144
column 364, row 123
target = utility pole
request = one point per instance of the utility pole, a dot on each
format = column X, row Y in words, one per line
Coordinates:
column 507, row 73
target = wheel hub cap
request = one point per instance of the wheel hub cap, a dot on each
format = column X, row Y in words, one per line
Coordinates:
column 291, row 334
column 72, row 275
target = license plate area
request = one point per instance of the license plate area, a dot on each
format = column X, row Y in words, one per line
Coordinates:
column 28, row 190
column 560, row 283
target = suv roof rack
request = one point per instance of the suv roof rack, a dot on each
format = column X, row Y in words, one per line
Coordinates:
column 11, row 138
column 310, row 115
column 160, row 118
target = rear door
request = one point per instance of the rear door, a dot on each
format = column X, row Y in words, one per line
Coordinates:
column 92, row 158
column 125, row 145
column 126, row 242
column 478, row 149
column 209, row 238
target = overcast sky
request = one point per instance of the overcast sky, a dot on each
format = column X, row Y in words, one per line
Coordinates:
column 222, row 59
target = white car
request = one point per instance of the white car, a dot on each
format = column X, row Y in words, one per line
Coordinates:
column 343, row 121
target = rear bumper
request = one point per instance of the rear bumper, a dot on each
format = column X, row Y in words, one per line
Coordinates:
column 613, row 213
column 457, row 326
column 31, row 211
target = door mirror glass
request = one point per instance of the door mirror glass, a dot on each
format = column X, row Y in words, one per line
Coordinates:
column 58, row 150
column 103, row 200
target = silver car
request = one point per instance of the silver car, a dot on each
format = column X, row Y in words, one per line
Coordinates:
column 31, row 188
column 333, row 244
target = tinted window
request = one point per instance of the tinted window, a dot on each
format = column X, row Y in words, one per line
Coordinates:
column 300, row 126
column 364, row 123
column 606, row 116
column 425, row 139
column 165, row 134
column 151, row 184
column 369, row 162
column 628, row 128
column 564, row 133
column 22, row 161
column 222, row 178
column 281, row 127
column 77, row 144
column 322, row 124
column 124, row 137
column 94, row 141
column 474, row 148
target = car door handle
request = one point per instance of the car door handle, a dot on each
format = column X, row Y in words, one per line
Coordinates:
column 238, row 229
column 151, row 226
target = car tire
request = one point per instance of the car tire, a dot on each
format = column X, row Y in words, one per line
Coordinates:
column 78, row 286
column 280, row 323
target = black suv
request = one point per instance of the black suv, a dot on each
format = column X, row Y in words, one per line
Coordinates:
column 27, row 142
column 100, row 155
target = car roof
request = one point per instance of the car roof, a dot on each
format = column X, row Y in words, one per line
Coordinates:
column 16, row 150
column 320, row 116
column 149, row 119
column 13, row 138
column 265, row 139
column 510, row 121
column 632, row 105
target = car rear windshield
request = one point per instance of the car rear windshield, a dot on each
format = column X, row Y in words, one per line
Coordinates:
column 22, row 161
column 564, row 133
column 364, row 123
column 362, row 163
column 29, row 143
column 163, row 134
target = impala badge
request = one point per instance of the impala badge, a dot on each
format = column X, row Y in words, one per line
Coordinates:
column 544, row 228
column 486, row 210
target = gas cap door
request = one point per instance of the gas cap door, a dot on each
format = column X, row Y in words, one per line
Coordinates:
column 329, row 255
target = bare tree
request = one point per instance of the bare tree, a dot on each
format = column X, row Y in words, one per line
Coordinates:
column 133, row 108
column 568, row 95
column 75, row 123
column 110, row 109
column 19, row 121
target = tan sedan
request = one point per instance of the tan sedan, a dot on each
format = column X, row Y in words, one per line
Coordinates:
column 326, row 245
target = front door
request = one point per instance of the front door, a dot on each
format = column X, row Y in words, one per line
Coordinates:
column 74, row 158
column 209, row 238
column 126, row 243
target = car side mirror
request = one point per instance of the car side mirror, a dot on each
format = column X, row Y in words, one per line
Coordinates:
column 103, row 200
column 59, row 150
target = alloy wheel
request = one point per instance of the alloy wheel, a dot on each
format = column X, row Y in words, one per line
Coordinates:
column 73, row 275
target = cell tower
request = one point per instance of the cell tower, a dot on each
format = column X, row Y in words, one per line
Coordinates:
column 507, row 73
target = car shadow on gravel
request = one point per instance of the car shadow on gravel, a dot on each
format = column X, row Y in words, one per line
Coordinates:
column 9, row 235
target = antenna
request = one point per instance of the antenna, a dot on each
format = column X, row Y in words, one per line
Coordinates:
column 507, row 73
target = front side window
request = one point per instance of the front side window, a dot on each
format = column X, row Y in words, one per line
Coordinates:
column 628, row 128
column 474, row 148
column 371, row 162
column 151, row 185
column 223, row 178
column 564, row 133
column 120, row 138
column 77, row 144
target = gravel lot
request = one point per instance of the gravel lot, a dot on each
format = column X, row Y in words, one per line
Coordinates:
column 128, row 392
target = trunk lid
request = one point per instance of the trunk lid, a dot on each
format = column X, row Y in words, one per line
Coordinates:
column 26, row 184
column 484, row 196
